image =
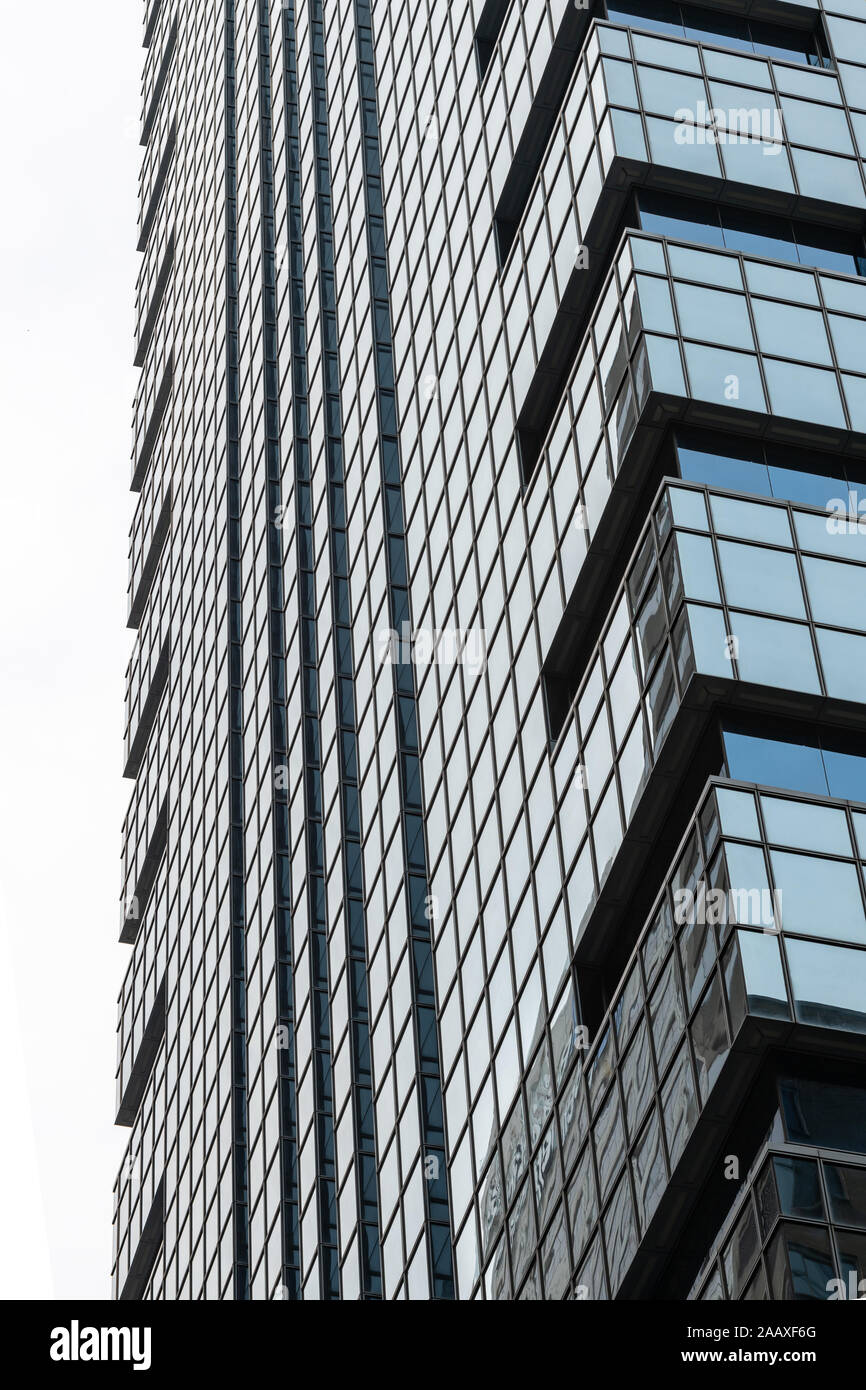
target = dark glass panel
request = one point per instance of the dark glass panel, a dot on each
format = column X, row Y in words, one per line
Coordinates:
column 800, row 1263
column 759, row 234
column 661, row 15
column 799, row 1187
column 846, row 1191
column 821, row 1113
column 686, row 219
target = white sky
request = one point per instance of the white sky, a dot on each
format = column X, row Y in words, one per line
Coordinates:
column 69, row 100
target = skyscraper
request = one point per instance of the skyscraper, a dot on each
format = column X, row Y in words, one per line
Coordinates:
column 493, row 870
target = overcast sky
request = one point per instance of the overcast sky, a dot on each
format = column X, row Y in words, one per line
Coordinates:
column 69, row 93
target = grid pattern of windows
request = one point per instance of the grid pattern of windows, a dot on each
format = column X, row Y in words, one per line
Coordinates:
column 799, row 1232
column 391, row 1026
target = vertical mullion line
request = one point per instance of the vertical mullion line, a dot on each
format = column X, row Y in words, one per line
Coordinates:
column 317, row 919
column 312, row 730
column 437, row 1207
column 237, row 896
column 291, row 1272
column 359, row 1040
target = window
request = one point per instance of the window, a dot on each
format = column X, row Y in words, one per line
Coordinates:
column 818, row 1112
column 729, row 31
column 818, row 762
column 756, row 233
column 767, row 470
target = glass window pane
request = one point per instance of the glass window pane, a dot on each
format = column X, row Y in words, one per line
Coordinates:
column 725, row 377
column 709, row 1033
column 682, row 218
column 846, row 774
column 655, row 303
column 667, row 146
column 666, row 92
column 648, row 1166
column 764, row 979
column 738, row 814
column 724, row 470
column 830, row 537
column 665, row 54
column 775, row 762
column 843, row 661
column 709, row 640
column 829, row 984
column 679, row 1105
column 741, row 1252
column 800, row 1263
column 799, row 1187
column 698, row 567
column 849, row 340
column 822, row 1113
column 785, row 284
column 666, row 369
column 819, row 897
column 761, row 162
column 826, row 127
column 751, row 71
column 760, row 234
column 750, row 520
column 772, row 652
column 714, row 314
column 797, row 485
column 846, row 1192
column 749, row 893
column 854, row 388
column 619, row 1232
column 789, row 331
column 689, row 508
column 758, row 578
column 804, row 393
column 828, row 176
column 667, row 1016
column 852, row 1262
column 805, row 826
column 705, row 265
column 637, row 1085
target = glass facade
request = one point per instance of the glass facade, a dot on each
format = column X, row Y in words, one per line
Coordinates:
column 497, row 834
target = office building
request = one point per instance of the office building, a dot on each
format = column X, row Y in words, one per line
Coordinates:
column 493, row 871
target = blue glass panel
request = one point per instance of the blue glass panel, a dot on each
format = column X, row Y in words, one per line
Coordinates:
column 683, row 218
column 763, row 974
column 775, row 762
column 709, row 640
column 804, row 393
column 733, row 466
column 805, row 826
column 698, row 567
column 738, row 814
column 750, row 520
column 725, row 376
column 837, row 592
column 755, row 577
column 813, row 489
column 843, row 659
column 819, row 897
column 763, row 236
column 829, row 984
column 846, row 774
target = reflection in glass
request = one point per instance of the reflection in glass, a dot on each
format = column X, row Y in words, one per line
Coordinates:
column 800, row 1263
